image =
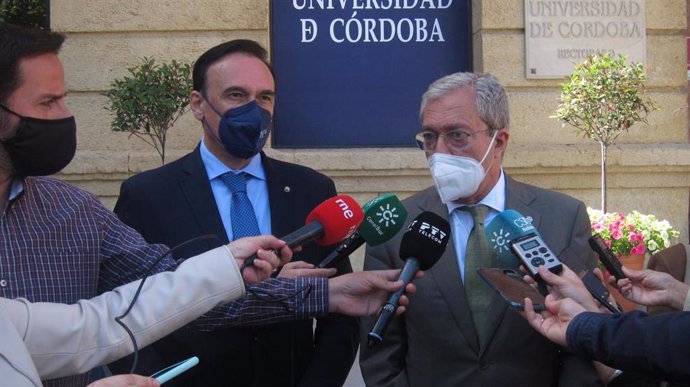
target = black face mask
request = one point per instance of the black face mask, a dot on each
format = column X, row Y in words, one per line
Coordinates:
column 41, row 147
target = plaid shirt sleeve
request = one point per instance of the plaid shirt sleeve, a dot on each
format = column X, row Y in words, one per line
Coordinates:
column 126, row 257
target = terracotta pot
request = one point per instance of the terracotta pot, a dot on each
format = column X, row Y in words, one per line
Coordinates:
column 635, row 262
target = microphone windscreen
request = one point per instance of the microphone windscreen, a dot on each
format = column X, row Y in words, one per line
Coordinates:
column 340, row 216
column 425, row 239
column 505, row 227
column 384, row 216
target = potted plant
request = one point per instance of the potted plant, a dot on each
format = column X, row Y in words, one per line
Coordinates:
column 633, row 233
column 149, row 101
column 631, row 237
column 603, row 97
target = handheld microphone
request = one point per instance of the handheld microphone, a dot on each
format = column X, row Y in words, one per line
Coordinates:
column 383, row 218
column 422, row 245
column 511, row 235
column 330, row 222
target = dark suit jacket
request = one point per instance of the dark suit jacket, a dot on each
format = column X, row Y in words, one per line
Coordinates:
column 434, row 343
column 174, row 203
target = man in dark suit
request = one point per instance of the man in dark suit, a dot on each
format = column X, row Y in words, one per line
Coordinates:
column 233, row 98
column 441, row 341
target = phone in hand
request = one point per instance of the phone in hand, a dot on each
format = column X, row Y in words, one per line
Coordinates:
column 512, row 288
column 168, row 373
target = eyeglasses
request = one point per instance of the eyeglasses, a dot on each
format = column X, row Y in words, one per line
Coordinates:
column 458, row 138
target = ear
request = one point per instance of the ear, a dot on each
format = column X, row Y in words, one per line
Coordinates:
column 196, row 103
column 501, row 142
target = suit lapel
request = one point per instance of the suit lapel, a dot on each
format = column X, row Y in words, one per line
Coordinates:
column 446, row 274
column 281, row 201
column 196, row 189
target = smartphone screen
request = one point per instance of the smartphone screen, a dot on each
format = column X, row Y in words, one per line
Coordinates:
column 512, row 288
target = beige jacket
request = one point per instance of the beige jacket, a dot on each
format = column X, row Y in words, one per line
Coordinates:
column 47, row 340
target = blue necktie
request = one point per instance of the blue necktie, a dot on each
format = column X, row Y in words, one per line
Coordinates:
column 242, row 216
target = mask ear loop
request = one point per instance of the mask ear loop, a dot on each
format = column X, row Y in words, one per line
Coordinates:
column 204, row 122
column 493, row 138
column 5, row 108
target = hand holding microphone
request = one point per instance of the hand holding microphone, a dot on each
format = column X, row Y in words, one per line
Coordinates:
column 383, row 218
column 330, row 222
column 422, row 245
column 512, row 235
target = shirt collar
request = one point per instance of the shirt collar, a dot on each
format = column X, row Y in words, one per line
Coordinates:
column 215, row 167
column 16, row 188
column 495, row 199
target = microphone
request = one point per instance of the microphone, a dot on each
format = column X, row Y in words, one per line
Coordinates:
column 330, row 222
column 511, row 235
column 383, row 218
column 422, row 245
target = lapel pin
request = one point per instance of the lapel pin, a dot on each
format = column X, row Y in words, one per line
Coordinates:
column 286, row 189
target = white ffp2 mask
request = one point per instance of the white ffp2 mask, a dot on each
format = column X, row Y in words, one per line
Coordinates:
column 457, row 177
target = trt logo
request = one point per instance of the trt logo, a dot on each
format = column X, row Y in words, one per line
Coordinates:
column 427, row 229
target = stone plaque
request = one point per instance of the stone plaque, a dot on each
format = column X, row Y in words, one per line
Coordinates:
column 560, row 33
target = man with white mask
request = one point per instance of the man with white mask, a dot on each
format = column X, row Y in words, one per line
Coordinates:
column 456, row 332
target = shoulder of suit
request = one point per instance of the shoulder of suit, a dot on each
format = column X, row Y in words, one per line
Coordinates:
column 294, row 169
column 544, row 194
column 163, row 172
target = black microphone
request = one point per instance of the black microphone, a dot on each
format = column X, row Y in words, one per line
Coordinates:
column 422, row 245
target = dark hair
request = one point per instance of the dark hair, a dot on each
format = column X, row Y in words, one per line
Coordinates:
column 17, row 43
column 222, row 50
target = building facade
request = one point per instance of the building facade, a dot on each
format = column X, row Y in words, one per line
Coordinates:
column 648, row 168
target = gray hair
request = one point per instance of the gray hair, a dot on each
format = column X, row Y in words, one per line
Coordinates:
column 491, row 101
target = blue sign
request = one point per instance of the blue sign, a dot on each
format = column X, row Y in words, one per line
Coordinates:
column 351, row 73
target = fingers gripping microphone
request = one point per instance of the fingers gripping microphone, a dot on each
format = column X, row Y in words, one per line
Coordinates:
column 422, row 245
column 511, row 235
column 330, row 222
column 383, row 217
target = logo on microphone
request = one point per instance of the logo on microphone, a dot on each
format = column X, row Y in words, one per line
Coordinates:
column 385, row 217
column 500, row 240
column 524, row 222
column 432, row 232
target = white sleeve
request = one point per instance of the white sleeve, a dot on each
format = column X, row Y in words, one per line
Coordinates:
column 70, row 339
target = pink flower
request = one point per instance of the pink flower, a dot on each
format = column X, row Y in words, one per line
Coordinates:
column 638, row 249
column 616, row 234
column 635, row 237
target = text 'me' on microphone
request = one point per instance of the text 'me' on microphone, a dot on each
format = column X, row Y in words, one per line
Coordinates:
column 330, row 222
column 384, row 216
column 421, row 246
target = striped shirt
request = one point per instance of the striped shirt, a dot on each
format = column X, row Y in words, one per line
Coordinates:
column 60, row 244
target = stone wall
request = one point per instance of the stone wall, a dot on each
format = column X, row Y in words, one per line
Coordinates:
column 649, row 168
